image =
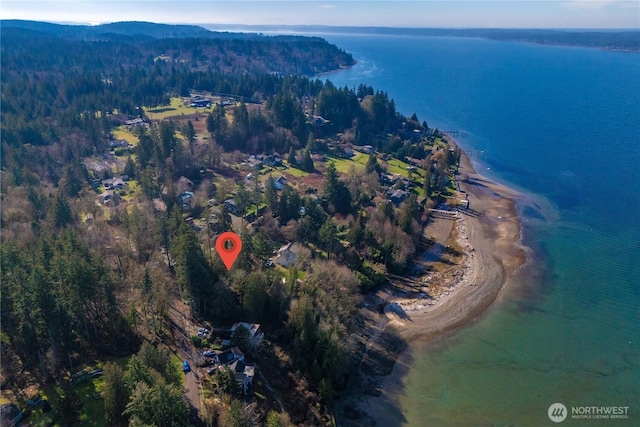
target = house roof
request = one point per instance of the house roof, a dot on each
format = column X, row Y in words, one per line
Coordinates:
column 226, row 357
column 286, row 247
column 229, row 356
column 184, row 180
column 251, row 327
column 397, row 195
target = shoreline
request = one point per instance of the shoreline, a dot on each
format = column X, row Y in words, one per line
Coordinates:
column 492, row 252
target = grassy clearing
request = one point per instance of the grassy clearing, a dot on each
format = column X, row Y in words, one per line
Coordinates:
column 343, row 165
column 298, row 173
column 122, row 132
column 361, row 158
column 175, row 108
column 419, row 191
column 92, row 404
column 399, row 167
column 133, row 191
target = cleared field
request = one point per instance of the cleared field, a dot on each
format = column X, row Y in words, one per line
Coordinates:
column 400, row 167
column 122, row 132
column 175, row 108
column 298, row 173
column 133, row 191
column 358, row 161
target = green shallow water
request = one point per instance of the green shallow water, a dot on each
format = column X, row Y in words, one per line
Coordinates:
column 572, row 338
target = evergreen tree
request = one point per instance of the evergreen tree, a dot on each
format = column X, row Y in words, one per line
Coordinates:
column 312, row 145
column 307, row 162
column 328, row 236
column 243, row 199
column 61, row 212
column 291, row 158
column 427, row 179
column 115, row 394
column 336, row 192
column 372, row 164
column 190, row 135
column 130, row 168
column 271, row 195
column 68, row 405
column 211, row 124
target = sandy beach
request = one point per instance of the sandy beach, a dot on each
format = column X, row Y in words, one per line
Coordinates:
column 488, row 237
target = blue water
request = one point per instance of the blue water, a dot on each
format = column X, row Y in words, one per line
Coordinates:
column 562, row 125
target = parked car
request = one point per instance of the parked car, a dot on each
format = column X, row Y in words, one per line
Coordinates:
column 208, row 353
column 203, row 332
column 185, row 366
column 212, row 370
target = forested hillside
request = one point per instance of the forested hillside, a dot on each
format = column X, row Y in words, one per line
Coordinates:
column 123, row 160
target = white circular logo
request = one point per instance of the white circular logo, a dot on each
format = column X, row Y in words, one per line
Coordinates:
column 557, row 412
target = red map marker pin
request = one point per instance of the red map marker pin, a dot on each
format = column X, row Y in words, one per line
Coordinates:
column 228, row 245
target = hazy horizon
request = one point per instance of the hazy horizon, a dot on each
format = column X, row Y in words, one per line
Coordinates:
column 472, row 14
column 230, row 27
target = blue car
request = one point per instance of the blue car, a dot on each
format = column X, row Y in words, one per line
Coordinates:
column 185, row 366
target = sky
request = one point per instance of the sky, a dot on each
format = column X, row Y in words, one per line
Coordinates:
column 388, row 13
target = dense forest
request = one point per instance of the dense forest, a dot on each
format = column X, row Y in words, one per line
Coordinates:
column 92, row 274
column 107, row 48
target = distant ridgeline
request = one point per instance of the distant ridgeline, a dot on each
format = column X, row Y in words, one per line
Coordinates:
column 110, row 46
column 605, row 39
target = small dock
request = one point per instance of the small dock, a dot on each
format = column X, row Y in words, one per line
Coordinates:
column 453, row 132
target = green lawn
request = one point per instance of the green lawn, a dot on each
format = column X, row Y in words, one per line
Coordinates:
column 121, row 132
column 252, row 209
column 92, row 405
column 400, row 167
column 293, row 171
column 133, row 191
column 359, row 161
column 176, row 108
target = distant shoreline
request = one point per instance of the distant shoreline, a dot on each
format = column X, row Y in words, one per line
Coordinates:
column 626, row 40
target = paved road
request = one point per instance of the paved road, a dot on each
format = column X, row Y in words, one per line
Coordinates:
column 182, row 328
column 192, row 385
